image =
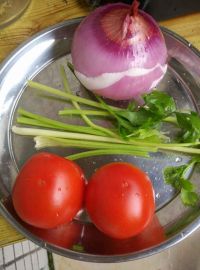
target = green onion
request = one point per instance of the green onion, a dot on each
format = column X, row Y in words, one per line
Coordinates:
column 76, row 105
column 83, row 112
column 62, row 134
column 44, row 141
column 107, row 152
column 38, row 120
column 66, row 96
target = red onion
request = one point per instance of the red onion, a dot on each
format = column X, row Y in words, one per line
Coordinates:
column 119, row 52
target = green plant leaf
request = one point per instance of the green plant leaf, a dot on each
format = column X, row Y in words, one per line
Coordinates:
column 137, row 118
column 174, row 175
column 132, row 105
column 187, row 185
column 160, row 103
column 189, row 198
column 190, row 126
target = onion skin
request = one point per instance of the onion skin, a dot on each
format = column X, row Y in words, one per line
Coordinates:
column 119, row 54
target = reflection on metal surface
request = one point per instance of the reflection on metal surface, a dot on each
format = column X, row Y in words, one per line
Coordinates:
column 50, row 49
column 24, row 64
column 183, row 222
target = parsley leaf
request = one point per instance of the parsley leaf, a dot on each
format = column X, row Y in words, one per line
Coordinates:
column 121, row 122
column 132, row 105
column 190, row 126
column 187, row 185
column 189, row 198
column 137, row 118
column 173, row 175
column 178, row 178
column 159, row 103
column 149, row 135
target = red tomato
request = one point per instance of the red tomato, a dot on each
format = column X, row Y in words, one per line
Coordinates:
column 120, row 200
column 48, row 191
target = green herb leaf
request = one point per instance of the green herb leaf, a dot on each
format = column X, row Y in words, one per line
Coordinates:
column 132, row 105
column 190, row 125
column 123, row 132
column 137, row 118
column 174, row 175
column 189, row 198
column 159, row 103
column 187, row 185
column 121, row 122
column 149, row 135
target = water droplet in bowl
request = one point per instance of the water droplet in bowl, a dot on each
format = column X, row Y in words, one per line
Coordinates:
column 157, row 195
column 178, row 159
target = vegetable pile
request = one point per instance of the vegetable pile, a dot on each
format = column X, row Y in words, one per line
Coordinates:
column 119, row 52
column 49, row 191
column 136, row 130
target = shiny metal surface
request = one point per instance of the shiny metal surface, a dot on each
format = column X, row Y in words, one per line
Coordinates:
column 39, row 59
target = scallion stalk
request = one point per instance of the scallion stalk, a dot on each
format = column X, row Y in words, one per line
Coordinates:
column 44, row 141
column 66, row 96
column 84, row 112
column 106, row 152
column 117, row 142
column 62, row 134
column 38, row 120
column 76, row 105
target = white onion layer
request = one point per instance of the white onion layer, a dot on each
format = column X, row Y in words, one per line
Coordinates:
column 107, row 79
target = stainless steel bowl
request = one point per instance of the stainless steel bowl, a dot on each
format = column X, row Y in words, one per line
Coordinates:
column 39, row 59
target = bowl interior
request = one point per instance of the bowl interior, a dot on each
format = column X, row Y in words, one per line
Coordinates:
column 40, row 59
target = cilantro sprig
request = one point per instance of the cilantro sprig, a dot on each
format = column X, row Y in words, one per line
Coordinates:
column 179, row 178
column 189, row 124
column 143, row 121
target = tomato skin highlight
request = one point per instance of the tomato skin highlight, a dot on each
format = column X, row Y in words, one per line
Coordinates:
column 120, row 200
column 48, row 190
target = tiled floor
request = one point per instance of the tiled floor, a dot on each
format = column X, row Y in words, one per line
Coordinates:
column 23, row 256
